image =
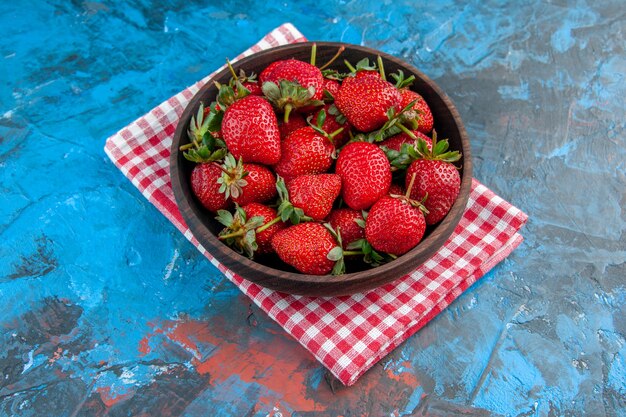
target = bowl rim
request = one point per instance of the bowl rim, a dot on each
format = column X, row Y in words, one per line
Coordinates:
column 261, row 274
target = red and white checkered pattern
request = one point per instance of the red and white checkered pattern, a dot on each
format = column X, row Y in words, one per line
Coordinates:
column 351, row 333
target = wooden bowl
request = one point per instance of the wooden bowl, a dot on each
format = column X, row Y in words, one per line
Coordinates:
column 273, row 273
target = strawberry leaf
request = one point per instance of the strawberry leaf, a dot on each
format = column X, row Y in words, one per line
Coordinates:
column 225, row 96
column 335, row 254
column 339, row 268
column 271, row 90
column 224, row 217
column 402, row 82
column 214, row 119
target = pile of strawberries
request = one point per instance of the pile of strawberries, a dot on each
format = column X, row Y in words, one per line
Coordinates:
column 319, row 167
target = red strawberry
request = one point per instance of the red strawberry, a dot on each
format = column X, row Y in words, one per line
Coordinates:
column 246, row 183
column 250, row 130
column 260, row 187
column 253, row 87
column 305, row 246
column 264, row 238
column 367, row 73
column 423, row 116
column 304, row 151
column 440, row 181
column 365, row 102
column 362, row 69
column 394, row 226
column 345, row 220
column 303, row 73
column 205, row 187
column 436, row 179
column 314, row 194
column 267, row 71
column 296, row 121
column 331, row 124
column 365, row 174
column 332, row 86
column 396, row 189
column 395, row 142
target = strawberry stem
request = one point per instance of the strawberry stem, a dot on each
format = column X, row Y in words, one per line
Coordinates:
column 350, row 67
column 224, row 170
column 233, row 234
column 335, row 133
column 407, row 131
column 339, row 52
column 231, row 69
column 188, row 146
column 381, row 68
column 288, row 109
column 410, row 187
column 352, row 252
column 313, row 54
column 268, row 224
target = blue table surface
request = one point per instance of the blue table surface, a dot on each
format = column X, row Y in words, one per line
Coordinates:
column 101, row 298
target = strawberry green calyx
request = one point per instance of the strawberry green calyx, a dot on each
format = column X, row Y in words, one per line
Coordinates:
column 206, row 120
column 332, row 74
column 362, row 65
column 227, row 95
column 288, row 95
column 239, row 233
column 232, row 180
column 336, row 254
column 370, row 256
column 392, row 126
column 204, row 147
column 400, row 160
column 286, row 209
column 334, row 111
column 241, row 77
column 439, row 150
column 402, row 82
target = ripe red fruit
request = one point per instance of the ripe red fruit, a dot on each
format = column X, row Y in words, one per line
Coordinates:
column 395, row 189
column 303, row 73
column 331, row 86
column 439, row 181
column 305, row 246
column 367, row 73
column 394, row 226
column 365, row 174
column 253, row 87
column 365, row 101
column 260, row 187
column 264, row 238
column 267, row 71
column 205, row 187
column 344, row 220
column 423, row 116
column 250, row 130
column 304, row 151
column 314, row 194
column 295, row 122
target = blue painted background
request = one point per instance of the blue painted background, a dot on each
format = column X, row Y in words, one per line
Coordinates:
column 105, row 308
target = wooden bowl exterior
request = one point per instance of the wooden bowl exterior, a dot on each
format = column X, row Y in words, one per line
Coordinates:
column 448, row 124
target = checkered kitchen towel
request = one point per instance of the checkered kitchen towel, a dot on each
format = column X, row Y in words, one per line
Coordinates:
column 346, row 334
